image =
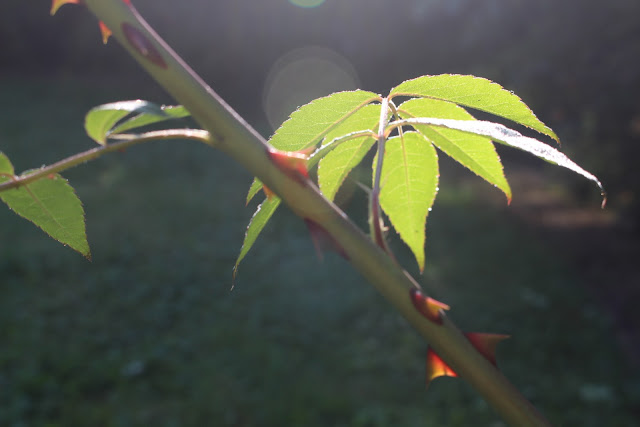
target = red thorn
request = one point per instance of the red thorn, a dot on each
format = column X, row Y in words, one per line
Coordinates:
column 486, row 344
column 268, row 192
column 436, row 367
column 57, row 4
column 322, row 240
column 105, row 31
column 141, row 44
column 293, row 163
column 427, row 306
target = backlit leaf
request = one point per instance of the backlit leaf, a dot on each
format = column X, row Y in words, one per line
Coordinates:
column 145, row 119
column 474, row 92
column 510, row 137
column 101, row 119
column 6, row 168
column 51, row 204
column 475, row 152
column 256, row 225
column 336, row 165
column 309, row 124
column 409, row 183
column 256, row 186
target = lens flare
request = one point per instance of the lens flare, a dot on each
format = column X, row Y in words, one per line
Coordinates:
column 302, row 75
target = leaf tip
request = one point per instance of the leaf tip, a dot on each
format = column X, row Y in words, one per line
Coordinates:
column 603, row 194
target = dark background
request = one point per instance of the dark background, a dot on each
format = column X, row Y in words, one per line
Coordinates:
column 576, row 63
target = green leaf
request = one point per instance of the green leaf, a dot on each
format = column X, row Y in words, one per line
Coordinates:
column 101, row 119
column 6, row 168
column 474, row 92
column 257, row 223
column 51, row 204
column 256, row 186
column 309, row 124
column 336, row 165
column 506, row 136
column 477, row 153
column 409, row 183
column 169, row 112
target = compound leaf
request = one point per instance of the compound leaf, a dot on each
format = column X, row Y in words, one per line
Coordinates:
column 474, row 92
column 475, row 152
column 51, row 204
column 309, row 124
column 409, row 183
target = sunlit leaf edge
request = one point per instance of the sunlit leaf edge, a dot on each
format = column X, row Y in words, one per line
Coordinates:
column 414, row 239
column 169, row 112
column 506, row 104
column 76, row 241
column 257, row 223
column 504, row 135
column 101, row 119
column 488, row 167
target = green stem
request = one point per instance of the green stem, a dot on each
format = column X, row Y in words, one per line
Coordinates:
column 376, row 226
column 127, row 140
column 238, row 140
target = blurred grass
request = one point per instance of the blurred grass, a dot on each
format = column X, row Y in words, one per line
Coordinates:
column 149, row 333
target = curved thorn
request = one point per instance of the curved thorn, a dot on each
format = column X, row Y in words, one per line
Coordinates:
column 105, row 31
column 436, row 367
column 427, row 306
column 57, row 4
column 292, row 163
column 322, row 240
column 486, row 343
